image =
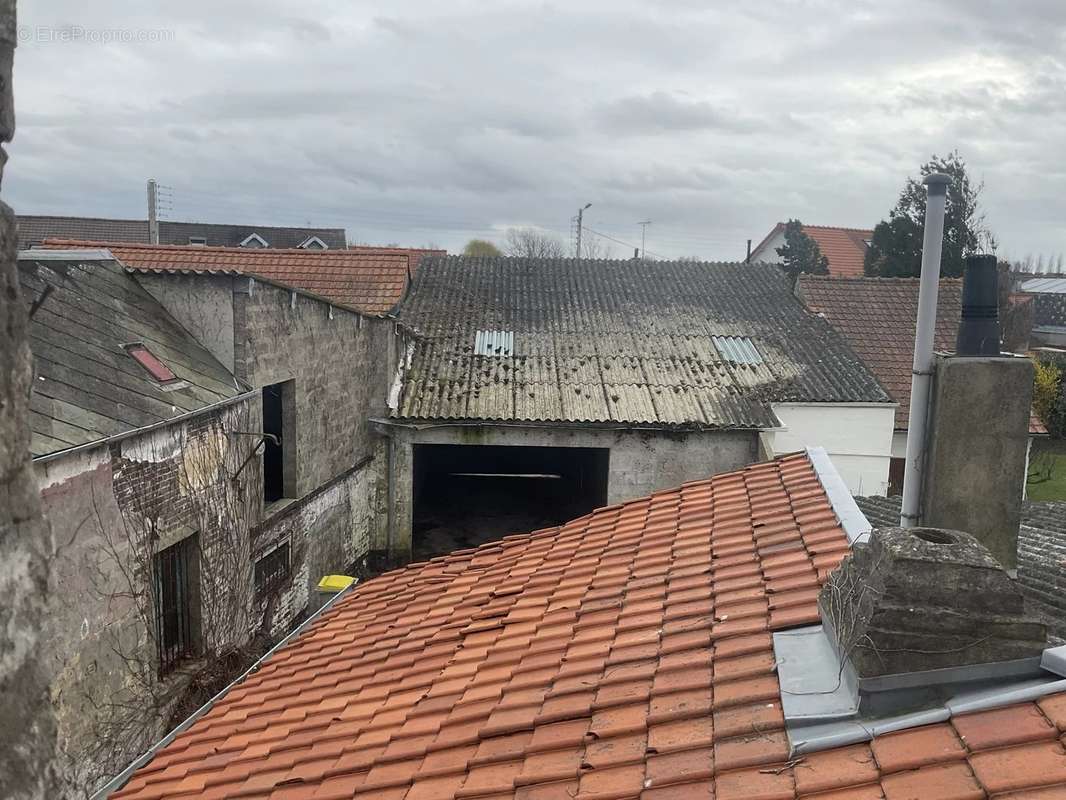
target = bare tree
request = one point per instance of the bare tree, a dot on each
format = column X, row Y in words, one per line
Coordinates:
column 481, row 247
column 592, row 246
column 27, row 737
column 532, row 243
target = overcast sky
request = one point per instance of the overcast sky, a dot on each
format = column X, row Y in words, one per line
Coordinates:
column 428, row 122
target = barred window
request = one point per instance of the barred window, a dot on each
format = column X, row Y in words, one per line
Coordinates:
column 272, row 570
column 176, row 603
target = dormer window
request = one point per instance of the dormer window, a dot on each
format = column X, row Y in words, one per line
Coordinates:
column 312, row 243
column 198, row 241
column 156, row 368
column 255, row 241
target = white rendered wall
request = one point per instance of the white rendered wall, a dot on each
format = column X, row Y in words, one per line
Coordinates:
column 857, row 437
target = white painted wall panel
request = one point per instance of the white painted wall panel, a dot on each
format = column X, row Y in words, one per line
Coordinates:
column 858, row 439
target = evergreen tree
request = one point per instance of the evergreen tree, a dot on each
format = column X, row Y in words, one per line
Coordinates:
column 801, row 253
column 896, row 246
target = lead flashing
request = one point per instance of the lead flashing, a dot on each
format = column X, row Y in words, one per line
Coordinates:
column 856, row 527
column 821, row 709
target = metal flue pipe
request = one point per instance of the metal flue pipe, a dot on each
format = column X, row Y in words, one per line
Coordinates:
column 922, row 366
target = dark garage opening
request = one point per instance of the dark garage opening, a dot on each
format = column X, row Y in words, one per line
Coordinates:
column 466, row 495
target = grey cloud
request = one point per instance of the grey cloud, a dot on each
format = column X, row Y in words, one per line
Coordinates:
column 419, row 121
column 663, row 113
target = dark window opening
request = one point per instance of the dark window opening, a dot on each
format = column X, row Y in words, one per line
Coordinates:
column 279, row 452
column 156, row 368
column 896, row 467
column 176, row 587
column 466, row 495
column 198, row 241
column 272, row 570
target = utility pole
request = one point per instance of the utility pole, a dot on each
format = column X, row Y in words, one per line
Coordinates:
column 643, row 231
column 153, row 213
column 580, row 213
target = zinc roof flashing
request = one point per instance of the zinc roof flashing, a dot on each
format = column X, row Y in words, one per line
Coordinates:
column 826, row 705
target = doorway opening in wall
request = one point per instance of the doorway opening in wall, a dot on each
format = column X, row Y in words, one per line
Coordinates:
column 279, row 452
column 466, row 495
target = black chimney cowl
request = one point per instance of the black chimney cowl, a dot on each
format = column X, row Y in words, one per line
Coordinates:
column 979, row 327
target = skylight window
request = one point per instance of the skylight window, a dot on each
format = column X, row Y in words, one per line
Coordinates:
column 156, row 368
column 737, row 349
column 494, row 343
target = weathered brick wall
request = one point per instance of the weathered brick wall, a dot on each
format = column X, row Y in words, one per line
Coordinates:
column 110, row 509
column 350, row 504
column 339, row 366
column 339, row 363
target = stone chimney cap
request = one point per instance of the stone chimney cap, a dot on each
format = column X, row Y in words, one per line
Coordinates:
column 918, row 599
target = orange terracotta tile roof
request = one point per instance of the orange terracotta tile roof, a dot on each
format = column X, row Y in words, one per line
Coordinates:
column 372, row 282
column 844, row 247
column 626, row 654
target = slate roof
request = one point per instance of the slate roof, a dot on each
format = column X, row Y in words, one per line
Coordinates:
column 626, row 654
column 220, row 235
column 35, row 229
column 618, row 342
column 1041, row 551
column 844, row 247
column 370, row 282
column 86, row 386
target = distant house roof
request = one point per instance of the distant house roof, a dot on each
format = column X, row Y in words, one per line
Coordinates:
column 1045, row 284
column 878, row 316
column 108, row 358
column 1041, row 551
column 372, row 282
column 656, row 343
column 35, row 229
column 844, row 247
column 627, row 654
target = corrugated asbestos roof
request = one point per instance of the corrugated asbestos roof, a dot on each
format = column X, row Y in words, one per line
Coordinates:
column 372, row 282
column 624, row 655
column 86, row 386
column 1044, row 285
column 618, row 341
